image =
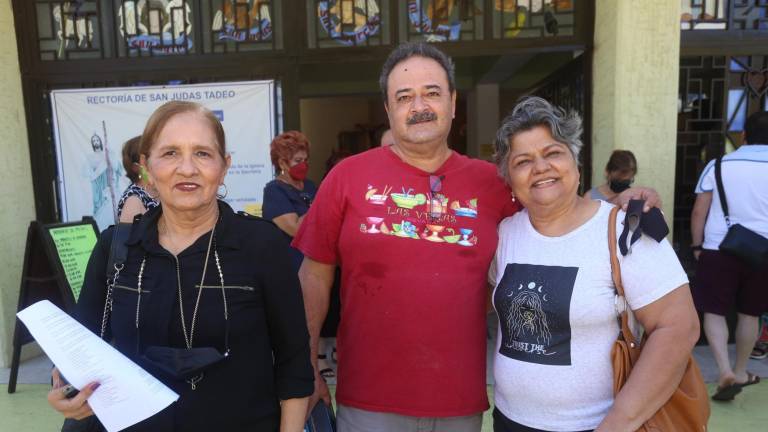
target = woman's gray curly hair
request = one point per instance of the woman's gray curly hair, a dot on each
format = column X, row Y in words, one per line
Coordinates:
column 531, row 112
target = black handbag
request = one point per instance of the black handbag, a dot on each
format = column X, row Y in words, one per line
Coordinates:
column 118, row 253
column 740, row 241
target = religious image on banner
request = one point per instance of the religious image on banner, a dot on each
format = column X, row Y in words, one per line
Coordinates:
column 156, row 26
column 243, row 20
column 349, row 22
column 105, row 177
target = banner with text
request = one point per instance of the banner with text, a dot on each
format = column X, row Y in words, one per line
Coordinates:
column 91, row 125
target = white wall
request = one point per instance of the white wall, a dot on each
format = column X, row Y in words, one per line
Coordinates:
column 16, row 194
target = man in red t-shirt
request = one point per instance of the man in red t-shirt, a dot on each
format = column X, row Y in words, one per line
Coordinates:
column 413, row 227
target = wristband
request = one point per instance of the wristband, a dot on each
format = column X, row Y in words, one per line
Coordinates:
column 696, row 248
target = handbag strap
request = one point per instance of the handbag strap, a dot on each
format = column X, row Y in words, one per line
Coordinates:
column 721, row 189
column 118, row 253
column 626, row 333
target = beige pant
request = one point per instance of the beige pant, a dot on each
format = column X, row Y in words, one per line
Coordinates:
column 356, row 420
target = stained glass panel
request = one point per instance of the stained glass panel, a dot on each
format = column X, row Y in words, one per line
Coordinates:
column 347, row 23
column 154, row 27
column 441, row 20
column 68, row 30
column 533, row 18
column 242, row 25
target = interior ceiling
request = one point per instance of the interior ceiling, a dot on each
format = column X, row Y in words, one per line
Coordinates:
column 535, row 70
column 517, row 71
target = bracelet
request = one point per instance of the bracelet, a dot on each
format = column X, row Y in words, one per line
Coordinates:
column 696, row 248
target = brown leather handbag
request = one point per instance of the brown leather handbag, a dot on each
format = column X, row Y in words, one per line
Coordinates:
column 688, row 408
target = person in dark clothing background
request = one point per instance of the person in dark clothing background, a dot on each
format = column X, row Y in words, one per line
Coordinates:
column 199, row 275
column 288, row 197
column 723, row 282
column 135, row 199
column 620, row 172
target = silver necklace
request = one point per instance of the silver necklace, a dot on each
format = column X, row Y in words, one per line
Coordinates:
column 188, row 337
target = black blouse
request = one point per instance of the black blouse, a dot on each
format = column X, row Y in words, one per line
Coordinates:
column 268, row 339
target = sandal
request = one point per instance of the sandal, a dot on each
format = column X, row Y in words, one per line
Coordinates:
column 727, row 393
column 326, row 372
column 751, row 379
column 759, row 352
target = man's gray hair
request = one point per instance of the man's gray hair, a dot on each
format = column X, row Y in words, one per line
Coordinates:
column 407, row 50
column 531, row 112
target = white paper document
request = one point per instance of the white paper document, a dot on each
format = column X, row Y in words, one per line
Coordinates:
column 127, row 395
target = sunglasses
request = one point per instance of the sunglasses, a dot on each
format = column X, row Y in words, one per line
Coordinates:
column 435, row 186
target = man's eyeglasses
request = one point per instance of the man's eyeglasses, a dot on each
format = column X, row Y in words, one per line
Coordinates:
column 435, row 206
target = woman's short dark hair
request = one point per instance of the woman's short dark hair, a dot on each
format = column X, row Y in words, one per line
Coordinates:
column 756, row 128
column 285, row 145
column 531, row 112
column 131, row 158
column 416, row 49
column 167, row 111
column 622, row 161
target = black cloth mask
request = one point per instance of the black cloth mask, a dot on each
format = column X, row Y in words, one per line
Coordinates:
column 182, row 363
column 619, row 186
column 651, row 224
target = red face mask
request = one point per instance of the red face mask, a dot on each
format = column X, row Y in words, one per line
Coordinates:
column 298, row 172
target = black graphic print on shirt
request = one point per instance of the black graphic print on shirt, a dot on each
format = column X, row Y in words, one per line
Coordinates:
column 533, row 303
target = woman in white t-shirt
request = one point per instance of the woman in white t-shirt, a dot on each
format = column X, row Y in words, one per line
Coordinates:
column 555, row 297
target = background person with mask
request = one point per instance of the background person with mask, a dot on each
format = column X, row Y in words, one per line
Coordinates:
column 288, row 197
column 620, row 173
column 286, row 200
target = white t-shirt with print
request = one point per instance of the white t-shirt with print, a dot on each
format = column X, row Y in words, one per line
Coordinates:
column 557, row 317
column 745, row 180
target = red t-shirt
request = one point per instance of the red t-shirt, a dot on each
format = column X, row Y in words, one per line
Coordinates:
column 412, row 337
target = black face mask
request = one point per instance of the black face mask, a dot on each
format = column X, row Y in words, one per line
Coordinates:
column 182, row 363
column 619, row 186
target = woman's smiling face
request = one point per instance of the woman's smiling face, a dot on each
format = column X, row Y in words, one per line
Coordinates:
column 185, row 163
column 542, row 171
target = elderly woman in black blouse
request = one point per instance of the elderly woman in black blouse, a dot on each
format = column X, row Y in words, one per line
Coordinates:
column 199, row 275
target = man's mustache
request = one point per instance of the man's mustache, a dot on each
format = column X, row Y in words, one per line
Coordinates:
column 421, row 117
